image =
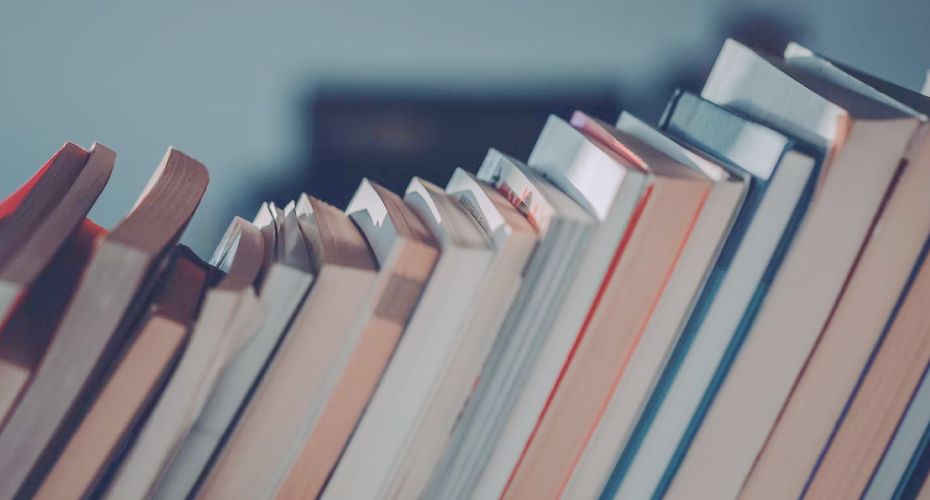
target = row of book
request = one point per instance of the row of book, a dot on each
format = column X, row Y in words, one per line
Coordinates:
column 730, row 305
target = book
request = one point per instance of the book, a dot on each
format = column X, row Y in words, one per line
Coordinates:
column 833, row 369
column 125, row 399
column 924, row 492
column 182, row 399
column 727, row 305
column 261, row 451
column 230, row 315
column 895, row 370
column 30, row 326
column 900, row 466
column 38, row 198
column 783, row 173
column 405, row 252
column 631, row 391
column 564, row 229
column 215, row 335
column 456, row 285
column 866, row 152
column 570, row 160
column 38, row 219
column 44, row 229
column 283, row 281
column 513, row 239
column 672, row 200
column 914, row 483
column 114, row 287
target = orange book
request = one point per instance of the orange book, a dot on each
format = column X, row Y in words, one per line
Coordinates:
column 406, row 251
column 134, row 383
column 653, row 241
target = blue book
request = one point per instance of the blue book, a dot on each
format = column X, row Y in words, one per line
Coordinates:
column 915, row 478
column 783, row 172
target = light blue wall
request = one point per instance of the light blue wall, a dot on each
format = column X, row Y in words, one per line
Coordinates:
column 221, row 80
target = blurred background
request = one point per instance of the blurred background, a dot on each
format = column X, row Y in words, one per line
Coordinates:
column 278, row 98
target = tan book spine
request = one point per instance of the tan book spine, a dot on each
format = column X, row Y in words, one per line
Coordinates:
column 99, row 433
column 325, row 443
column 882, row 398
column 289, row 390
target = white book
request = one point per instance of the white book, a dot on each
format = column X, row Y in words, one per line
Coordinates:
column 381, row 226
column 285, row 284
column 609, row 189
column 667, row 321
column 866, row 154
column 269, row 435
column 565, row 228
column 458, row 279
column 513, row 239
column 782, row 178
column 229, row 316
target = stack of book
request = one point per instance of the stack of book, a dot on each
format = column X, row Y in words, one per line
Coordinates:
column 729, row 305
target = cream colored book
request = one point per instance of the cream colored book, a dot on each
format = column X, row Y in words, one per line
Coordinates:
column 513, row 239
column 230, row 315
column 285, row 277
column 405, row 253
column 159, row 441
column 287, row 401
column 565, row 229
column 455, row 288
column 612, row 189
